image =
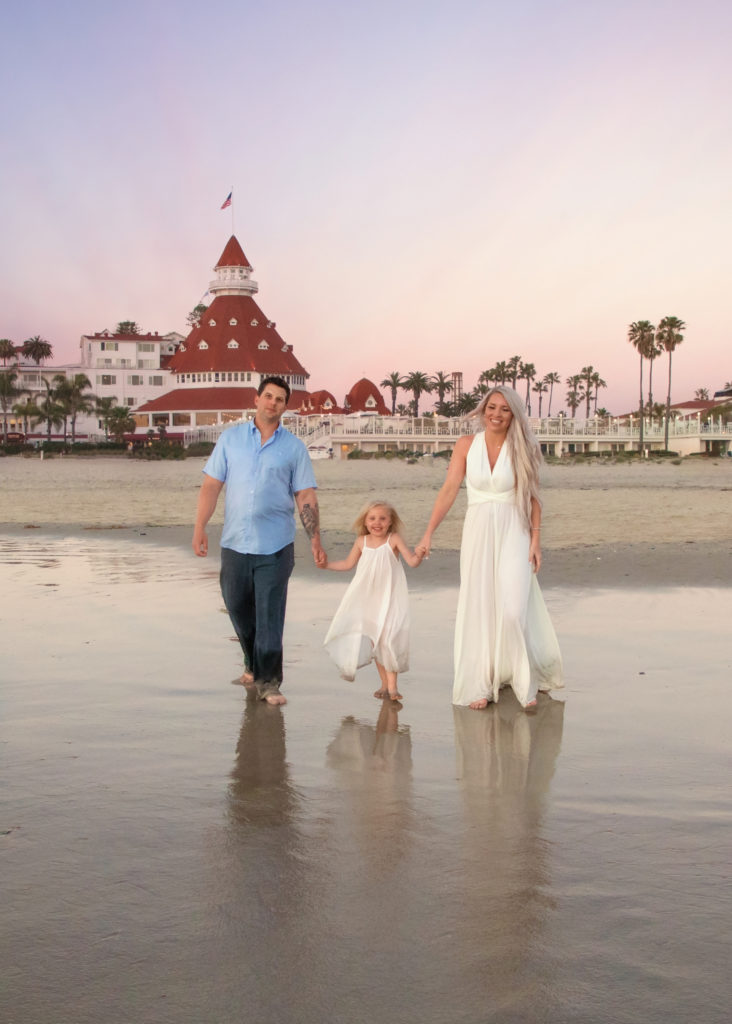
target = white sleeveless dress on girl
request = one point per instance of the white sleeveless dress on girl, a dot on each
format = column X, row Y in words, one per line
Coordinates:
column 503, row 633
column 372, row 620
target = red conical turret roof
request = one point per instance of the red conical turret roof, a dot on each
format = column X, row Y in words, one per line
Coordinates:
column 233, row 255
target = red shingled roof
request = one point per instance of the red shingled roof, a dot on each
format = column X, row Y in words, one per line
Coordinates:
column 233, row 256
column 318, row 400
column 360, row 392
column 252, row 328
column 212, row 399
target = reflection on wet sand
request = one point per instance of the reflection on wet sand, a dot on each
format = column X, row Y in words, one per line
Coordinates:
column 374, row 766
column 505, row 762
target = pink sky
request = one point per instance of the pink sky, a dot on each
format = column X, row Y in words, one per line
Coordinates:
column 419, row 185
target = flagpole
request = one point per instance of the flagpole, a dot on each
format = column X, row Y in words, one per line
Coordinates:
column 232, row 211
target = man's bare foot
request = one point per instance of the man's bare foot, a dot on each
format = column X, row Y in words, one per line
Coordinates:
column 271, row 693
column 275, row 698
column 395, row 695
column 478, row 705
column 246, row 678
column 380, row 694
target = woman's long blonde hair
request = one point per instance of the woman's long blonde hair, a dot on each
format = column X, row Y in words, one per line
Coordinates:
column 523, row 449
column 396, row 526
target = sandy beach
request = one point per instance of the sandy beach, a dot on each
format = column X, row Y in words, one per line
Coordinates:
column 174, row 852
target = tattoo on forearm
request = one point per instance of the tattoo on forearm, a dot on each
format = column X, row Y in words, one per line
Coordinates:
column 310, row 519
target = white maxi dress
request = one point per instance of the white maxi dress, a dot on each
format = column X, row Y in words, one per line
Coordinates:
column 372, row 620
column 503, row 633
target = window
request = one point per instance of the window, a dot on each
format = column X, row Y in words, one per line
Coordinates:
column 203, row 345
column 263, row 345
column 107, row 379
column 233, row 344
column 284, row 347
column 255, row 323
column 182, row 347
column 181, row 419
column 145, row 346
column 131, row 402
column 109, row 346
column 155, row 382
column 233, row 322
column 136, row 380
column 212, row 323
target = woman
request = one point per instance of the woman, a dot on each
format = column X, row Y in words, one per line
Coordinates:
column 503, row 633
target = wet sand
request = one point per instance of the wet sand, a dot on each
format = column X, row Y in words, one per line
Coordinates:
column 175, row 852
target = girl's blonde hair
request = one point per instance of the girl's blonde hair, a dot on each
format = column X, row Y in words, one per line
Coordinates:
column 397, row 526
column 523, row 449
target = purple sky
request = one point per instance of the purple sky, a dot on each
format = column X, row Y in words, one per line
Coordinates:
column 418, row 185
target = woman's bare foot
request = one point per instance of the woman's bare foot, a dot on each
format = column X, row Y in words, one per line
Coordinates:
column 530, row 705
column 380, row 694
column 478, row 705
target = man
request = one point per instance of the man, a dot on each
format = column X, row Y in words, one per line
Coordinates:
column 267, row 471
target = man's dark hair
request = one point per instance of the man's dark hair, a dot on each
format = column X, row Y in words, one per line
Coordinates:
column 278, row 382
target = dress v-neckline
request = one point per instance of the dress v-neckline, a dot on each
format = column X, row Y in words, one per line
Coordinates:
column 491, row 469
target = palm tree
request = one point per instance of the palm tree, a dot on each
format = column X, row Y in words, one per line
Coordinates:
column 7, row 350
column 403, row 410
column 701, row 395
column 36, row 349
column 103, row 409
column 121, row 422
column 71, row 393
column 669, row 336
column 393, row 382
column 27, row 410
column 527, row 373
column 540, row 388
column 8, row 393
column 655, row 348
column 574, row 393
column 501, row 373
column 551, row 379
column 597, row 383
column 418, row 383
column 50, row 411
column 586, row 374
column 641, row 335
column 513, row 366
column 442, row 384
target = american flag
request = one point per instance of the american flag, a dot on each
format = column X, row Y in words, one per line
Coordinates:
column 227, row 201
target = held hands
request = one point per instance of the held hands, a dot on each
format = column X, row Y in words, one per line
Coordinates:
column 422, row 550
column 319, row 556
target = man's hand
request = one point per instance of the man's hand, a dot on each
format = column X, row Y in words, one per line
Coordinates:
column 319, row 556
column 200, row 543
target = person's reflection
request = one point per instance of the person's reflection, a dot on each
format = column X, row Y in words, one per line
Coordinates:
column 374, row 766
column 261, row 793
column 505, row 762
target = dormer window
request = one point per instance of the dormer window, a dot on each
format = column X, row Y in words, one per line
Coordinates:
column 284, row 347
column 262, row 345
column 370, row 402
column 233, row 344
column 255, row 323
column 203, row 344
column 212, row 323
column 182, row 347
column 233, row 322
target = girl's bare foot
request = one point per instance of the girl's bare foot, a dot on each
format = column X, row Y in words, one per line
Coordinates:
column 395, row 695
column 380, row 694
column 478, row 705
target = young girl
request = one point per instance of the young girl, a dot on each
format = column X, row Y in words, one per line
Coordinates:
column 372, row 621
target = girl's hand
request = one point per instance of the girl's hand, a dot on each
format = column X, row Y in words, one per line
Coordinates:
column 535, row 550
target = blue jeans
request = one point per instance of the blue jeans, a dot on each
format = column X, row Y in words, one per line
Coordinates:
column 254, row 588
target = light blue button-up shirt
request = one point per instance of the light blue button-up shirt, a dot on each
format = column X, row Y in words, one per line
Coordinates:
column 261, row 481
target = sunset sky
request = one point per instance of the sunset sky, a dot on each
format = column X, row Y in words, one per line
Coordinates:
column 419, row 185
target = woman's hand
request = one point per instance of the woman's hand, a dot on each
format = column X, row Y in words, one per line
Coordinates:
column 535, row 550
column 422, row 550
